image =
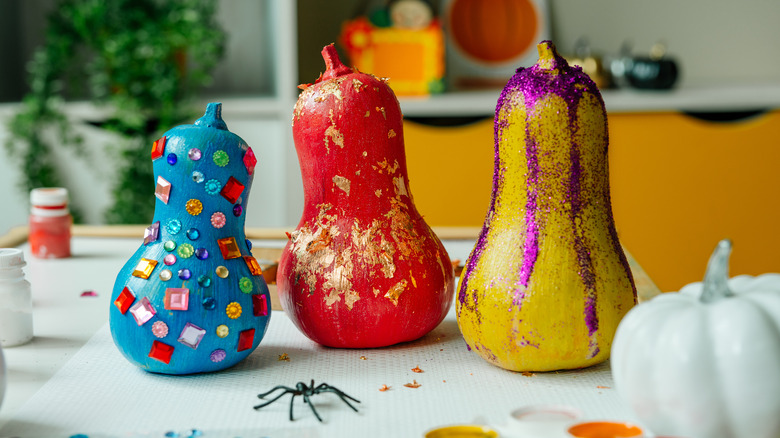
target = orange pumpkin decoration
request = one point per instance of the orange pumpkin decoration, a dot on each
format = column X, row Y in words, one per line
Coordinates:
column 493, row 32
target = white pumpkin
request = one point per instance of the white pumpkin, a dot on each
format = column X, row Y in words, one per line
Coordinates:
column 2, row 376
column 705, row 362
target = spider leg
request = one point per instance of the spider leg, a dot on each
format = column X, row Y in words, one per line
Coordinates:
column 292, row 399
column 311, row 405
column 324, row 387
column 286, row 391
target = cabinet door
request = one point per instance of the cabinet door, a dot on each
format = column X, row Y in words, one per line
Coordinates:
column 679, row 185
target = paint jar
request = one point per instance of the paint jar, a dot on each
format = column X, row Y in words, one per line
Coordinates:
column 50, row 223
column 16, row 325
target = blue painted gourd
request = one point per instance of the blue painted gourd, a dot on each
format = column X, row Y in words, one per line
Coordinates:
column 192, row 298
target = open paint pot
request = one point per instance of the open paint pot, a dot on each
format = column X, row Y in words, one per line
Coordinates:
column 605, row 429
column 462, row 431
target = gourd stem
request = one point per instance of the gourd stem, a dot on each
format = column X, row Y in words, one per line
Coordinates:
column 716, row 278
column 549, row 59
column 334, row 66
column 213, row 117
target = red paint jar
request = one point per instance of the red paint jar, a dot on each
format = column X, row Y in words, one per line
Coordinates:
column 50, row 223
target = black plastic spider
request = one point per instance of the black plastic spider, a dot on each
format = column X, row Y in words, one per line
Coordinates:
column 306, row 392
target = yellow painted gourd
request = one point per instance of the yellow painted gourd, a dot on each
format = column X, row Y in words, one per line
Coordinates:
column 547, row 282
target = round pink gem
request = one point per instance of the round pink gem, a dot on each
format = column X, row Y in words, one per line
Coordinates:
column 160, row 329
column 218, row 219
column 169, row 259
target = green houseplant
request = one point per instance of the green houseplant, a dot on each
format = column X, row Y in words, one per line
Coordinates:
column 142, row 60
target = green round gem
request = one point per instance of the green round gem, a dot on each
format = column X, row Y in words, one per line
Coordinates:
column 245, row 284
column 221, row 158
column 169, row 245
column 185, row 250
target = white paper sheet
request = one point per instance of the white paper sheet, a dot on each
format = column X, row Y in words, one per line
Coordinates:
column 98, row 393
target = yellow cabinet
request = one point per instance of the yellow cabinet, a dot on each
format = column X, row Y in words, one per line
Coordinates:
column 679, row 185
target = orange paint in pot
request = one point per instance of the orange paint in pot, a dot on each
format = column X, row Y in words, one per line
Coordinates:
column 604, row 429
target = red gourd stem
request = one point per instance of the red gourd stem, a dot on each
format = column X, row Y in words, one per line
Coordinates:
column 334, row 66
column 716, row 278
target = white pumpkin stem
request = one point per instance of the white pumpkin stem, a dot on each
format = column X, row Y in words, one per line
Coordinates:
column 716, row 278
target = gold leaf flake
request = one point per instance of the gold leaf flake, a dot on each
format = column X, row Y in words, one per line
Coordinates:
column 382, row 110
column 284, row 357
column 334, row 135
column 414, row 384
column 395, row 292
column 342, row 183
column 391, row 134
column 417, row 369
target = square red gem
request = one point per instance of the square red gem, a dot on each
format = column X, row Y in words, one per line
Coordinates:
column 259, row 305
column 232, row 190
column 253, row 266
column 250, row 161
column 158, row 148
column 124, row 300
column 161, row 352
column 245, row 339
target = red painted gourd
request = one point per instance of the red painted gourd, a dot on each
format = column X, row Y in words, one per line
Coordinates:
column 362, row 269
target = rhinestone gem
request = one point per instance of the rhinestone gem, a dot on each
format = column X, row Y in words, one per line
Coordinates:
column 204, row 281
column 232, row 190
column 191, row 335
column 229, row 248
column 144, row 268
column 209, row 303
column 222, row 272
column 185, row 250
column 245, row 339
column 250, row 161
column 212, row 186
column 152, row 233
column 221, row 158
column 161, row 352
column 169, row 245
column 237, row 210
column 245, row 284
column 218, row 220
column 158, row 148
column 233, row 310
column 259, row 305
column 185, row 274
column 223, row 331
column 194, row 154
column 248, row 244
column 166, row 274
column 142, row 311
column 194, row 207
column 172, row 158
column 160, row 329
column 124, row 300
column 218, row 355
column 198, row 177
column 173, row 226
column 253, row 265
column 162, row 190
column 202, row 253
column 177, row 298
column 169, row 259
column 193, row 234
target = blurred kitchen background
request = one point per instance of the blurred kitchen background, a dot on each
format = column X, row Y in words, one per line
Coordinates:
column 690, row 164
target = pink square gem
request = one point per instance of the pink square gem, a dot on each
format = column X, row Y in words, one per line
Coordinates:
column 142, row 311
column 191, row 335
column 177, row 298
column 245, row 339
column 163, row 189
column 250, row 161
